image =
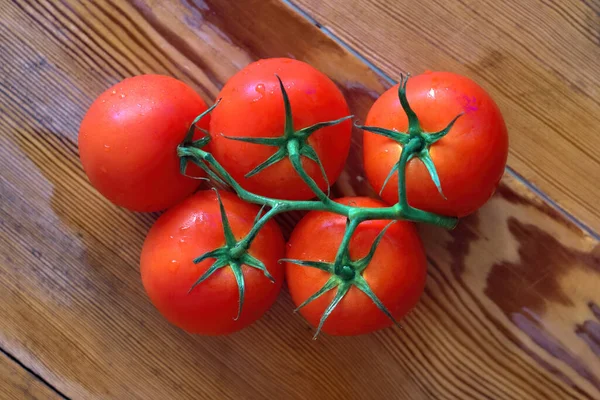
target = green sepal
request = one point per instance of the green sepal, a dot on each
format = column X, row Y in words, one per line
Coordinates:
column 288, row 128
column 362, row 264
column 426, row 159
column 309, row 130
column 324, row 266
column 219, row 263
column 239, row 278
column 254, row 262
column 389, row 176
column 279, row 155
column 399, row 137
column 267, row 141
column 414, row 127
column 332, row 282
column 434, row 137
column 342, row 289
column 216, row 253
column 311, row 154
column 229, row 237
column 364, row 287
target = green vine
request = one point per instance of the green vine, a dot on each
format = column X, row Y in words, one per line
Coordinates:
column 293, row 144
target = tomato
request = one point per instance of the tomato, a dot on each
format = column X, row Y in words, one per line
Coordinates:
column 191, row 229
column 396, row 273
column 470, row 159
column 128, row 142
column 252, row 107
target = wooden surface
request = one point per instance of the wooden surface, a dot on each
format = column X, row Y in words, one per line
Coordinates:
column 512, row 305
column 16, row 383
column 538, row 59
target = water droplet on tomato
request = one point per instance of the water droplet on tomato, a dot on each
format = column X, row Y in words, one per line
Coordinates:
column 260, row 89
column 174, row 266
column 122, row 96
column 114, row 92
column 106, row 147
column 170, row 236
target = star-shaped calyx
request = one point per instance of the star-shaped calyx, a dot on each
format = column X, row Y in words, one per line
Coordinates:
column 233, row 254
column 292, row 143
column 345, row 273
column 414, row 133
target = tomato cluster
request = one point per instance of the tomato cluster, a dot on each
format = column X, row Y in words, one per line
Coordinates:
column 435, row 147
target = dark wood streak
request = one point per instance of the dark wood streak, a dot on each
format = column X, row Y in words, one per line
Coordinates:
column 543, row 260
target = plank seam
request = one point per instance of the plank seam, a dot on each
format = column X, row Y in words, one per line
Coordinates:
column 35, row 374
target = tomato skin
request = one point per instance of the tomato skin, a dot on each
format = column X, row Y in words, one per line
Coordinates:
column 191, row 229
column 470, row 160
column 396, row 273
column 128, row 142
column 252, row 106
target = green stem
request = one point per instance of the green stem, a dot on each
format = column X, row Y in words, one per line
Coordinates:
column 244, row 244
column 413, row 146
column 358, row 213
column 342, row 253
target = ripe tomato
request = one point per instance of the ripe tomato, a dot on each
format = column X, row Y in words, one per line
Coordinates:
column 252, row 106
column 191, row 229
column 128, row 141
column 470, row 159
column 396, row 273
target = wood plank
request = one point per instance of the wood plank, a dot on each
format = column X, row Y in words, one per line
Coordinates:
column 511, row 306
column 538, row 59
column 16, row 383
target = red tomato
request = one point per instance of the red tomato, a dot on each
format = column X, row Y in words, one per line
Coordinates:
column 396, row 274
column 252, row 106
column 128, row 142
column 191, row 229
column 470, row 160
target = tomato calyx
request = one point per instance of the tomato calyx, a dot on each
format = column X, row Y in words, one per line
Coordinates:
column 233, row 254
column 292, row 143
column 422, row 141
column 345, row 273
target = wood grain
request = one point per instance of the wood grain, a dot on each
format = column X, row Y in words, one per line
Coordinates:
column 16, row 383
column 511, row 309
column 538, row 59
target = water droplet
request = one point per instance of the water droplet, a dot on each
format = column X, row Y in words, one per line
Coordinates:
column 106, row 147
column 170, row 236
column 173, row 266
column 114, row 92
column 260, row 89
column 103, row 101
column 184, row 228
column 122, row 96
column 182, row 240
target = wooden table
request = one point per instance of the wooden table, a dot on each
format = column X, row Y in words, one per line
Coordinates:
column 512, row 304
